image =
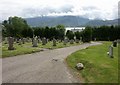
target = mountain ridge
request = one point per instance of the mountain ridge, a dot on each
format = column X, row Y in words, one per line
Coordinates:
column 68, row 21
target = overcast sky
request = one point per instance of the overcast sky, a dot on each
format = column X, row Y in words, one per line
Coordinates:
column 92, row 9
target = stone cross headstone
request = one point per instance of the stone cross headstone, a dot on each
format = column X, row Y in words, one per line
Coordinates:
column 54, row 42
column 71, row 41
column 35, row 41
column 111, row 51
column 10, row 42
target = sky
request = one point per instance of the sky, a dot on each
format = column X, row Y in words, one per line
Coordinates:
column 92, row 9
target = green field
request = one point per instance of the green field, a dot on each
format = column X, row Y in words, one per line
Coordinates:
column 99, row 67
column 27, row 48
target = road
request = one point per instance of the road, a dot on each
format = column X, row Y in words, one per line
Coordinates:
column 42, row 67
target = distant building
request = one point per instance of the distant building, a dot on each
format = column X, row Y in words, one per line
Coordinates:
column 75, row 29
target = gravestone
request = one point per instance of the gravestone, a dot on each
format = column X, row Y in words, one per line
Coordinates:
column 20, row 42
column 80, row 39
column 47, row 40
column 17, row 40
column 71, row 41
column 10, row 42
column 94, row 39
column 65, row 41
column 23, row 40
column 77, row 40
column 35, row 41
column 60, row 41
column 115, row 43
column 14, row 39
column 6, row 40
column 26, row 39
column 111, row 51
column 44, row 41
column 39, row 40
column 54, row 42
column 29, row 40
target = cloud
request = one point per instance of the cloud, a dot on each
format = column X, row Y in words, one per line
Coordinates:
column 101, row 9
column 32, row 12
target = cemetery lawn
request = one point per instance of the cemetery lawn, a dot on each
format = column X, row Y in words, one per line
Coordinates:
column 99, row 68
column 27, row 48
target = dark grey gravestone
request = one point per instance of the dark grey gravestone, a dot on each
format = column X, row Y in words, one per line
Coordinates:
column 17, row 40
column 10, row 42
column 115, row 43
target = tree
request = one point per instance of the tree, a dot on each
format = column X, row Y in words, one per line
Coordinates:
column 14, row 26
column 77, row 35
column 87, row 34
column 61, row 31
column 70, row 34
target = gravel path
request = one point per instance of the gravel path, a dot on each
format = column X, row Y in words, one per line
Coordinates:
column 42, row 67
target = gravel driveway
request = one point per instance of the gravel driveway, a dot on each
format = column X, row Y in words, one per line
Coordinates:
column 42, row 67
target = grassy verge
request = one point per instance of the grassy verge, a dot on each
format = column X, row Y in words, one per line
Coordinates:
column 27, row 48
column 99, row 68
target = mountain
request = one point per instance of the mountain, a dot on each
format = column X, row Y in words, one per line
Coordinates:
column 53, row 21
column 67, row 21
column 101, row 22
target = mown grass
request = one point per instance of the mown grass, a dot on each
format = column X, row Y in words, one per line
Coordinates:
column 99, row 67
column 27, row 48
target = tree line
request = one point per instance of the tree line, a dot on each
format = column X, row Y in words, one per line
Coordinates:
column 18, row 27
column 101, row 33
